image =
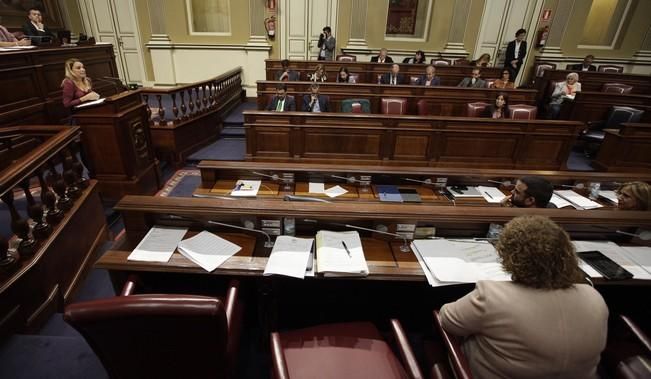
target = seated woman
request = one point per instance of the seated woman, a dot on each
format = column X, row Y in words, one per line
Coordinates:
column 418, row 58
column 7, row 39
column 482, row 61
column 504, row 81
column 634, row 196
column 319, row 74
column 499, row 109
column 542, row 324
column 77, row 87
column 563, row 91
column 343, row 76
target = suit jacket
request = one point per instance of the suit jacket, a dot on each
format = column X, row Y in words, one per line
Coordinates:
column 290, row 104
column 514, row 331
column 411, row 60
column 293, row 75
column 386, row 60
column 386, row 79
column 328, row 48
column 30, row 31
column 436, row 81
column 510, row 54
column 466, row 82
column 579, row 67
column 323, row 103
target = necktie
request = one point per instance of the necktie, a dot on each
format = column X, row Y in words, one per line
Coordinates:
column 279, row 106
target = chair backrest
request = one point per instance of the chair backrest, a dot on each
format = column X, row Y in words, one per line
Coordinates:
column 413, row 80
column 355, row 106
column 391, row 105
column 441, row 62
column 610, row 68
column 346, row 58
column 619, row 115
column 476, row 109
column 353, row 78
column 461, row 62
column 616, row 88
column 540, row 68
column 154, row 336
column 490, row 83
column 523, row 112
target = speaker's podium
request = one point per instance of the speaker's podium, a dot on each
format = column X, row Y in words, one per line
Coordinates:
column 117, row 142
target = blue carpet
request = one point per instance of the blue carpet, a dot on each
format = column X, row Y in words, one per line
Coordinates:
column 577, row 161
column 236, row 117
column 186, row 186
column 225, row 149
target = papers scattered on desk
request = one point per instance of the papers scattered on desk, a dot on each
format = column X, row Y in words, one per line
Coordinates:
column 491, row 194
column 246, row 188
column 335, row 191
column 559, row 202
column 208, row 250
column 90, row 103
column 158, row 245
column 289, row 257
column 577, row 201
column 640, row 255
column 618, row 254
column 610, row 196
column 340, row 254
column 459, row 191
column 459, row 261
column 316, row 187
column 14, row 48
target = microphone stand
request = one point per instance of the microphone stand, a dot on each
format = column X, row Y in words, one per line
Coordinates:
column 364, row 184
column 275, row 178
column 403, row 248
column 268, row 243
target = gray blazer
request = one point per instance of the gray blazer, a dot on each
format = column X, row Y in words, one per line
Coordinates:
column 329, row 48
column 479, row 83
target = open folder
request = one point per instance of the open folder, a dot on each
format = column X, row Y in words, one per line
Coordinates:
column 340, row 254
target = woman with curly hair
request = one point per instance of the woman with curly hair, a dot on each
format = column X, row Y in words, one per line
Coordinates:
column 543, row 324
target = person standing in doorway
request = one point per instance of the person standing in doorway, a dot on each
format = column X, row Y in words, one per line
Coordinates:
column 515, row 53
column 326, row 45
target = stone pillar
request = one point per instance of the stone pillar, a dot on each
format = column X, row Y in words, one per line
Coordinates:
column 358, row 12
column 457, row 31
column 160, row 46
column 557, row 30
column 257, row 32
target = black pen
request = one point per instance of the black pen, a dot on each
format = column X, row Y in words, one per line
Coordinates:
column 346, row 247
column 489, row 195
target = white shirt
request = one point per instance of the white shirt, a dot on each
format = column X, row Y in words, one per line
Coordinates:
column 517, row 48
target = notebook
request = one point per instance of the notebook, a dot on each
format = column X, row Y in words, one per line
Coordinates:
column 340, row 254
column 389, row 193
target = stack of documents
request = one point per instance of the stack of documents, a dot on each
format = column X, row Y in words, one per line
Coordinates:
column 458, row 261
column 635, row 259
column 340, row 254
column 208, row 250
column 462, row 191
column 576, row 200
column 491, row 194
column 158, row 245
column 246, row 188
column 289, row 257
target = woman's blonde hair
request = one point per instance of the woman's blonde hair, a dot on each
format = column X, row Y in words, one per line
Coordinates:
column 538, row 253
column 70, row 76
column 641, row 191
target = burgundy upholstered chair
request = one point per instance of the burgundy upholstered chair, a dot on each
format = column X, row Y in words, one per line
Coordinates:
column 490, row 83
column 476, row 109
column 347, row 350
column 610, row 68
column 163, row 335
column 346, row 58
column 441, row 62
column 628, row 351
column 390, row 105
column 540, row 67
column 457, row 358
column 616, row 88
column 461, row 62
column 523, row 112
column 423, row 108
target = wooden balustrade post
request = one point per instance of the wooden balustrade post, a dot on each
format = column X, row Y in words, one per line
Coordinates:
column 211, row 98
column 148, row 107
column 161, row 109
column 204, row 96
column 28, row 194
column 8, row 262
column 191, row 101
column 184, row 109
column 196, row 96
column 175, row 109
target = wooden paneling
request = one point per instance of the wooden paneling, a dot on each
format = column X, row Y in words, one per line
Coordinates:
column 595, row 106
column 414, row 140
column 593, row 81
column 627, row 149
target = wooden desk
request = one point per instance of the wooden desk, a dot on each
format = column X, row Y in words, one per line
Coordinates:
column 442, row 101
column 593, row 81
column 31, row 81
column 408, row 140
column 626, row 149
column 368, row 72
column 596, row 106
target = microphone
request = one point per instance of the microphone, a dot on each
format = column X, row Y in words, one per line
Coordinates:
column 350, row 179
column 276, row 177
column 248, row 226
column 403, row 248
column 305, row 198
column 426, row 181
column 577, row 186
column 644, row 235
column 207, row 196
column 113, row 82
column 504, row 183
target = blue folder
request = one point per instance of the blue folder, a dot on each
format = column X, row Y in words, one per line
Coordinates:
column 389, row 193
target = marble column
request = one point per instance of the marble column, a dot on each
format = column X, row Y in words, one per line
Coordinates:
column 557, row 30
column 457, row 31
column 358, row 12
column 160, row 46
column 257, row 31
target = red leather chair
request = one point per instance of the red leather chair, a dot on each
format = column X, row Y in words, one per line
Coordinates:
column 610, row 68
column 476, row 109
column 461, row 62
column 616, row 88
column 348, row 350
column 457, row 357
column 390, row 105
column 161, row 336
column 441, row 62
column 490, row 83
column 540, row 67
column 346, row 58
column 523, row 112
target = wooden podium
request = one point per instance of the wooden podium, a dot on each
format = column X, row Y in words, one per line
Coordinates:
column 117, row 142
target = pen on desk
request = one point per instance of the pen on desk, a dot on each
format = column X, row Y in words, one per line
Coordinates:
column 488, row 194
column 346, row 247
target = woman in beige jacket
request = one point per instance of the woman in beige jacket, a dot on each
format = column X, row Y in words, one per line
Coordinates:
column 540, row 325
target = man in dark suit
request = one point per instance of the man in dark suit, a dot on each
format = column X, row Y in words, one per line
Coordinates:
column 585, row 66
column 315, row 102
column 394, row 77
column 382, row 58
column 35, row 29
column 286, row 74
column 281, row 102
column 474, row 81
column 515, row 53
column 430, row 78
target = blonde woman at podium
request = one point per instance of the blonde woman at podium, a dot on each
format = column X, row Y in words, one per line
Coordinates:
column 77, row 87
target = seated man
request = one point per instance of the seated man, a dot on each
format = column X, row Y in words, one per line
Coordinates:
column 394, row 77
column 281, row 102
column 530, row 192
column 315, row 102
column 286, row 73
column 585, row 66
column 7, row 39
column 474, row 81
column 430, row 78
column 35, row 29
column 382, row 58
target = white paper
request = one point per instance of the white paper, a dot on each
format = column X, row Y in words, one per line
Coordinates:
column 615, row 253
column 470, row 192
column 610, row 196
column 332, row 257
column 578, row 201
column 463, row 261
column 428, row 274
column 316, row 187
column 89, row 103
column 335, row 191
column 246, row 188
column 158, row 245
column 559, row 202
column 21, row 47
column 208, row 250
column 289, row 257
column 491, row 194
column 640, row 255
